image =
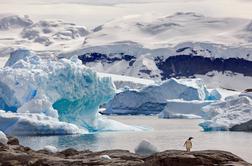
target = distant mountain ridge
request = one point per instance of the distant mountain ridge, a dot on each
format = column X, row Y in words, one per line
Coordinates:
column 219, row 50
column 44, row 37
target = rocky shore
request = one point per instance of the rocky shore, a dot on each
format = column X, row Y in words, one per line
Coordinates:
column 13, row 154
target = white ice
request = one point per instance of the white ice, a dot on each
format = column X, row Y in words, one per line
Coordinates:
column 50, row 148
column 224, row 115
column 3, row 138
column 184, row 109
column 53, row 97
column 153, row 98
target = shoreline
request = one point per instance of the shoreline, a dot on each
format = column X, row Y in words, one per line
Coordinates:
column 14, row 154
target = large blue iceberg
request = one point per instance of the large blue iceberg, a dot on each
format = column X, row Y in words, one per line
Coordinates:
column 64, row 90
column 156, row 98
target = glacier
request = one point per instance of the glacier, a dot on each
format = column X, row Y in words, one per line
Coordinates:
column 235, row 114
column 153, row 99
column 62, row 96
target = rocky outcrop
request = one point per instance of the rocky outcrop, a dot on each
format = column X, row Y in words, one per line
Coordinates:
column 181, row 65
column 196, row 158
column 248, row 90
column 14, row 154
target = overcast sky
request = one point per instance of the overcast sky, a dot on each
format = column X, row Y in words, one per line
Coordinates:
column 95, row 12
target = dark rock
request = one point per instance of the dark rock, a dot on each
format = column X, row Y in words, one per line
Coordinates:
column 3, row 147
column 181, row 65
column 104, row 58
column 69, row 152
column 248, row 90
column 17, row 155
column 197, row 158
column 12, row 141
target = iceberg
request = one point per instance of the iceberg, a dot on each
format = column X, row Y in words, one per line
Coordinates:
column 181, row 109
column 52, row 96
column 235, row 113
column 154, row 98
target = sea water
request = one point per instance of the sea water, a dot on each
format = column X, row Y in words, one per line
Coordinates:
column 163, row 133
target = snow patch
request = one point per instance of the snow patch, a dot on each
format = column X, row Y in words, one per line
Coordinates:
column 105, row 157
column 50, row 148
column 14, row 21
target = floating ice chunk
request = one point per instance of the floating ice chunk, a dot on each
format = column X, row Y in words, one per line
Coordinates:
column 50, row 148
column 227, row 115
column 105, row 124
column 184, row 109
column 145, row 148
column 3, row 138
column 152, row 99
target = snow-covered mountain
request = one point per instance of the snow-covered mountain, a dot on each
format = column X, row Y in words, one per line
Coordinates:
column 45, row 37
column 219, row 50
column 158, row 32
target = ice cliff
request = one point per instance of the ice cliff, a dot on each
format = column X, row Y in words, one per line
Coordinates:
column 52, row 97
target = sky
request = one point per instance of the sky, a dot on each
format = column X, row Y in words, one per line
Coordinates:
column 92, row 13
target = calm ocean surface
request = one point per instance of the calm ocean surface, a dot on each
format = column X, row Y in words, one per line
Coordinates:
column 164, row 134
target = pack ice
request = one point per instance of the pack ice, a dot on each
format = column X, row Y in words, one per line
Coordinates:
column 168, row 96
column 41, row 97
column 235, row 114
